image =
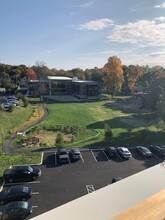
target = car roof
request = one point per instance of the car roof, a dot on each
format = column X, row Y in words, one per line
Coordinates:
column 123, row 148
column 18, row 188
column 75, row 150
column 62, row 150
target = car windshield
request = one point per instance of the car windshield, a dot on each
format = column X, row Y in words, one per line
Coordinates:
column 145, row 150
column 125, row 151
column 62, row 152
column 13, row 205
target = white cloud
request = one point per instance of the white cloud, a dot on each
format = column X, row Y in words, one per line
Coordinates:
column 96, row 25
column 160, row 6
column 160, row 19
column 86, row 4
column 142, row 32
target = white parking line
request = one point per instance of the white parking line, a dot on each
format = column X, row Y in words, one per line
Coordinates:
column 156, row 156
column 35, row 193
column 55, row 159
column 9, row 184
column 90, row 188
column 82, row 158
column 106, row 155
column 120, row 157
column 35, row 206
column 93, row 155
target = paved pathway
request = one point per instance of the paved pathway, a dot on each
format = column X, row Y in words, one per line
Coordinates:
column 7, row 148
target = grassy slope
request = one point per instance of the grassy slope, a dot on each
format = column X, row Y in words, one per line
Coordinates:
column 10, row 120
column 126, row 126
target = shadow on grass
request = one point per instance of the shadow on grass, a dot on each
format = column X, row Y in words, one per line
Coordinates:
column 129, row 122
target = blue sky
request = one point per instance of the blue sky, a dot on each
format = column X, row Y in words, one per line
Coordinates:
column 67, row 34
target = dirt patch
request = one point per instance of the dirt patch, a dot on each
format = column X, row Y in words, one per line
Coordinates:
column 48, row 137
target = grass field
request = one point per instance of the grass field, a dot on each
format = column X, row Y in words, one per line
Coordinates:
column 128, row 127
column 9, row 120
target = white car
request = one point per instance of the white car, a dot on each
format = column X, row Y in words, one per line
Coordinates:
column 124, row 152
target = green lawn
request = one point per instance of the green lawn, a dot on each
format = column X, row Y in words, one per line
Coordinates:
column 9, row 120
column 128, row 127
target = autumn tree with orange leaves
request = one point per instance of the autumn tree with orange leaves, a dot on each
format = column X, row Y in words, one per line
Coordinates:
column 113, row 75
column 30, row 74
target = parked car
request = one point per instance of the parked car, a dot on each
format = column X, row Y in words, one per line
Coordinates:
column 15, row 193
column 14, row 102
column 63, row 156
column 75, row 153
column 144, row 151
column 111, row 151
column 16, row 210
column 21, row 173
column 124, row 152
column 158, row 150
column 116, row 179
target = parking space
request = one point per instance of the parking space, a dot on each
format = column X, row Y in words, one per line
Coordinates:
column 61, row 183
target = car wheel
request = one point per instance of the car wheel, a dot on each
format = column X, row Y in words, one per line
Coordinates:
column 23, row 216
column 34, row 178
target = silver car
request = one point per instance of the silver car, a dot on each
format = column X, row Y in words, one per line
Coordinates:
column 124, row 152
column 75, row 153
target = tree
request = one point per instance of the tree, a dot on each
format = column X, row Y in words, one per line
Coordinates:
column 108, row 135
column 25, row 101
column 59, row 140
column 30, row 74
column 133, row 73
column 113, row 75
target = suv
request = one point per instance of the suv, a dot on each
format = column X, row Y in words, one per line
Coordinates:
column 21, row 173
column 63, row 156
column 75, row 153
column 111, row 151
column 124, row 152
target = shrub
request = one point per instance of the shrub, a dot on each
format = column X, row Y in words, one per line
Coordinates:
column 108, row 135
column 59, row 140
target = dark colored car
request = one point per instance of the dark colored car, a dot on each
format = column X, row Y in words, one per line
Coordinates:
column 63, row 156
column 111, row 151
column 15, row 210
column 116, row 179
column 15, row 193
column 75, row 153
column 21, row 173
column 124, row 152
column 144, row 151
column 158, row 150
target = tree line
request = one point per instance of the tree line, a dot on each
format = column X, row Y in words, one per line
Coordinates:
column 115, row 77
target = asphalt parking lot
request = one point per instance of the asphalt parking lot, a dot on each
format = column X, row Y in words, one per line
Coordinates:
column 62, row 183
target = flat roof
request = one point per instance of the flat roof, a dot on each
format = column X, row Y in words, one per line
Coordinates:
column 60, row 78
column 110, row 201
column 86, row 81
column 151, row 208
